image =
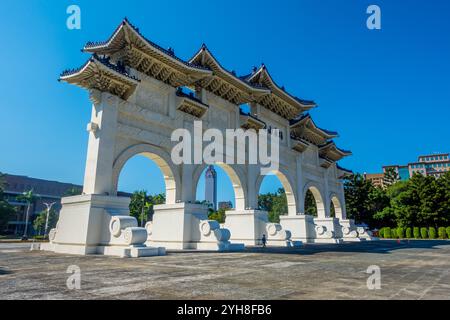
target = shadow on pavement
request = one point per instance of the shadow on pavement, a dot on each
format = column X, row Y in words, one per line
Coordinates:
column 381, row 246
column 378, row 247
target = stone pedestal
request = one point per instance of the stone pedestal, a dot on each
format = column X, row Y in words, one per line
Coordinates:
column 186, row 226
column 95, row 224
column 349, row 232
column 364, row 234
column 249, row 226
column 327, row 230
column 301, row 227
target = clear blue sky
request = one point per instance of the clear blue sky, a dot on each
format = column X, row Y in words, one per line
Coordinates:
column 386, row 92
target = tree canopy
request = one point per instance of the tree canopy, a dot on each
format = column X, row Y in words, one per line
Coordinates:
column 6, row 210
column 141, row 205
column 421, row 200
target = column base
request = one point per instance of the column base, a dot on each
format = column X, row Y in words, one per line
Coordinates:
column 249, row 226
column 185, row 226
column 327, row 230
column 97, row 224
column 301, row 227
column 349, row 233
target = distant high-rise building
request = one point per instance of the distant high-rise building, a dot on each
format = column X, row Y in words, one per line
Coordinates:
column 427, row 165
column 211, row 186
column 377, row 179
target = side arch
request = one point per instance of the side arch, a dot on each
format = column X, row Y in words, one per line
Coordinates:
column 318, row 198
column 237, row 179
column 287, row 184
column 161, row 158
column 336, row 202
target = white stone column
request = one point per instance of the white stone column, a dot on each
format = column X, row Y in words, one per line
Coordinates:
column 326, row 194
column 300, row 185
column 101, row 146
column 342, row 199
column 253, row 172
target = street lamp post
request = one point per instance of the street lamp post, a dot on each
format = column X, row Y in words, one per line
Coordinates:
column 25, row 230
column 49, row 207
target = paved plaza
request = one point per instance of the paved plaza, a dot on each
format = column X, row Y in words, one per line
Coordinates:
column 409, row 270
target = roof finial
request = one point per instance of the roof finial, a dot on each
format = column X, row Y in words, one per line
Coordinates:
column 263, row 65
column 203, row 46
column 171, row 51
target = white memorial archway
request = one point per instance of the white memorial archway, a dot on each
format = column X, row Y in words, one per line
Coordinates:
column 140, row 95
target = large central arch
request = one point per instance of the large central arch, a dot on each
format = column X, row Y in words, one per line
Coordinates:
column 162, row 160
column 239, row 187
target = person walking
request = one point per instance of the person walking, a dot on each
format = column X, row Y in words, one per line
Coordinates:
column 264, row 240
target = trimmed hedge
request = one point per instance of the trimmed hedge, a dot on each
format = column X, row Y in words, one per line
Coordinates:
column 441, row 233
column 424, row 233
column 409, row 233
column 432, row 232
column 416, row 233
column 400, row 233
column 394, row 233
column 387, row 233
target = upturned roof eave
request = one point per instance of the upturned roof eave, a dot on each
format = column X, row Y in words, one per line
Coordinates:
column 125, row 23
column 101, row 64
column 205, row 50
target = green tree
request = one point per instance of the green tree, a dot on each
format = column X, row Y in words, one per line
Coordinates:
column 391, row 176
column 74, row 191
column 363, row 201
column 28, row 197
column 39, row 222
column 7, row 211
column 310, row 204
column 141, row 205
column 274, row 203
column 219, row 215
